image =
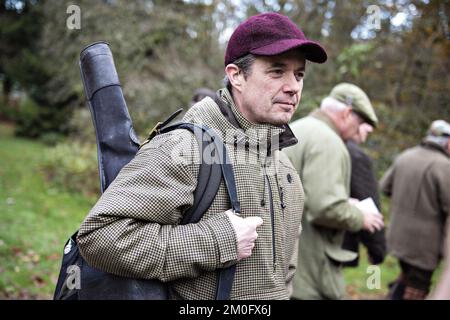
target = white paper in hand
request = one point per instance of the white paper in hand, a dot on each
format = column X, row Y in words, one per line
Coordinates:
column 368, row 205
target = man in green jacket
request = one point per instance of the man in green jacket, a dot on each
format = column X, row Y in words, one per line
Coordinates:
column 419, row 186
column 134, row 229
column 323, row 162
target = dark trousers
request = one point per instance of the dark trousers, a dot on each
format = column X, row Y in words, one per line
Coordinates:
column 413, row 283
column 415, row 277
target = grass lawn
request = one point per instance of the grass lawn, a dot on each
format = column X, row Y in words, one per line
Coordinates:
column 360, row 281
column 36, row 219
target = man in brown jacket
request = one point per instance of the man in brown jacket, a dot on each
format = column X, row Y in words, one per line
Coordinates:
column 419, row 186
column 134, row 230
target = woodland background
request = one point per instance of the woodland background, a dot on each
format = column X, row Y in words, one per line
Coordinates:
column 163, row 51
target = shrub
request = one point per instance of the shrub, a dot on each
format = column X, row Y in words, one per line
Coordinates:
column 34, row 120
column 73, row 167
column 80, row 126
column 51, row 138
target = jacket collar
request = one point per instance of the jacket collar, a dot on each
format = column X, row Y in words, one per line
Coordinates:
column 283, row 134
column 434, row 146
column 322, row 116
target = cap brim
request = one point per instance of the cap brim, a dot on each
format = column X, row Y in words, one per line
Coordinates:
column 366, row 118
column 313, row 51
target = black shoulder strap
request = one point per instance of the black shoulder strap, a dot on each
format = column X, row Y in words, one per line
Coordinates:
column 216, row 165
column 209, row 178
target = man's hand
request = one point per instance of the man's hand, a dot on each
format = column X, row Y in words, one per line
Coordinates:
column 372, row 221
column 246, row 235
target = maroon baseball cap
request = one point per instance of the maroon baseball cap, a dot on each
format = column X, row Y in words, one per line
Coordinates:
column 269, row 34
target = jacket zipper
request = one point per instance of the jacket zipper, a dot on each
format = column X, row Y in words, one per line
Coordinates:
column 281, row 194
column 272, row 216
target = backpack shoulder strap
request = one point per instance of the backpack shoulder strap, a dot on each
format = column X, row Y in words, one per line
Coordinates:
column 209, row 178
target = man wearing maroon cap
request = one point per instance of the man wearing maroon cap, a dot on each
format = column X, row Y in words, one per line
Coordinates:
column 134, row 229
column 265, row 64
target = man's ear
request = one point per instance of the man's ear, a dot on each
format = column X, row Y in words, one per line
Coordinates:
column 235, row 76
column 346, row 114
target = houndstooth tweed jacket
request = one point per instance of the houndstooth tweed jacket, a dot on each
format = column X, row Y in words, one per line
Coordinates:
column 133, row 230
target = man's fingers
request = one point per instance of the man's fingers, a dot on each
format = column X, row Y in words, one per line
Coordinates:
column 378, row 224
column 380, row 221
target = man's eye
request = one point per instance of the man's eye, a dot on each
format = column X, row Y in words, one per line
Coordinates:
column 300, row 76
column 277, row 72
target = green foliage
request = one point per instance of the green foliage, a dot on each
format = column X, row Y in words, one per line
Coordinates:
column 72, row 166
column 27, row 115
column 162, row 54
column 51, row 138
column 34, row 120
column 81, row 128
column 353, row 59
column 21, row 68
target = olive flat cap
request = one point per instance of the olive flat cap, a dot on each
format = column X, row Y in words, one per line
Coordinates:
column 355, row 97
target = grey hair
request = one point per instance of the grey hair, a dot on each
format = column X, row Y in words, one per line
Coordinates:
column 245, row 64
column 441, row 141
column 332, row 105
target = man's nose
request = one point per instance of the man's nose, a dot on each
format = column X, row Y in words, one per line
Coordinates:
column 292, row 85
